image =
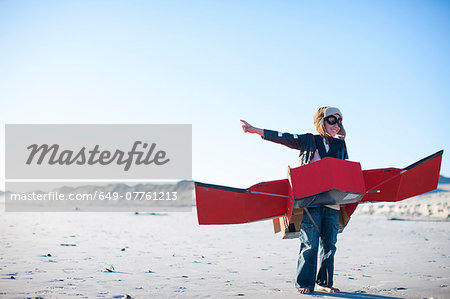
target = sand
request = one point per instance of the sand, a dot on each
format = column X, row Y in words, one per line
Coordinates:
column 167, row 255
column 434, row 205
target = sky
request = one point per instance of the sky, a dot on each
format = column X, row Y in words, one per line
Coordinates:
column 385, row 64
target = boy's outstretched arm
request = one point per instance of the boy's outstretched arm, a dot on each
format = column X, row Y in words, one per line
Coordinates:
column 289, row 140
column 248, row 128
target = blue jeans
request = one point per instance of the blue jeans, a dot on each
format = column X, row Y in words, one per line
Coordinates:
column 327, row 221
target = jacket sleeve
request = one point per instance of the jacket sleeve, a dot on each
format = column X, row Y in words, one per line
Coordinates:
column 290, row 140
column 345, row 151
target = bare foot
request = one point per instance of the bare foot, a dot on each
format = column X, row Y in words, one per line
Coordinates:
column 303, row 291
column 328, row 289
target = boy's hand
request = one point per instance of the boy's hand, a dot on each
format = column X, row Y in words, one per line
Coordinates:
column 248, row 128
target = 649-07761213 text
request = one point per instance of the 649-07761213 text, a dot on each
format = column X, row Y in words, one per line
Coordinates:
column 97, row 195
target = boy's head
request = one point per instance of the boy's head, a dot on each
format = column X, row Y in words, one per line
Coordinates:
column 328, row 122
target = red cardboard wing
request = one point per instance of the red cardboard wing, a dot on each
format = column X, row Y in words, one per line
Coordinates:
column 226, row 205
column 393, row 184
column 339, row 179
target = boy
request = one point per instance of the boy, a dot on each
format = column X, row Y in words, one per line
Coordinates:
column 322, row 224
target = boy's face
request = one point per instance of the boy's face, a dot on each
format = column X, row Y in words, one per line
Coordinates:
column 333, row 130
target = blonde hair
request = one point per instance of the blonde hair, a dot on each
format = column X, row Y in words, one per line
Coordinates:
column 320, row 124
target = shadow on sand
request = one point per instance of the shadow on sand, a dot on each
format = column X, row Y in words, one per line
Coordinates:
column 353, row 295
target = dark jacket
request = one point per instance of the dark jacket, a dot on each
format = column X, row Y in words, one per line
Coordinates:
column 307, row 145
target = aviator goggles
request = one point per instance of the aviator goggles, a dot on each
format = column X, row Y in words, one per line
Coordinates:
column 331, row 120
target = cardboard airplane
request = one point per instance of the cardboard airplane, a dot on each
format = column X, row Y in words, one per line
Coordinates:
column 328, row 181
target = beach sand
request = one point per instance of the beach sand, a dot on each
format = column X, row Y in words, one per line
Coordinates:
column 168, row 255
